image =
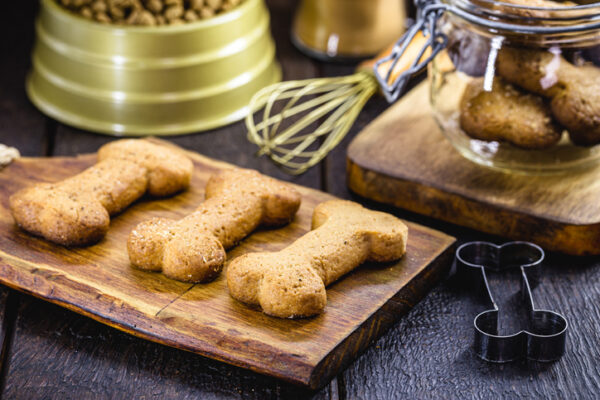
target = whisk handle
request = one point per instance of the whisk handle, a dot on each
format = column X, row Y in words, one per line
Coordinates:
column 411, row 53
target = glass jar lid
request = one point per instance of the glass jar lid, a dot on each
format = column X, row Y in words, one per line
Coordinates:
column 537, row 25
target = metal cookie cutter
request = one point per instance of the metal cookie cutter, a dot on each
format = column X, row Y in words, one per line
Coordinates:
column 544, row 337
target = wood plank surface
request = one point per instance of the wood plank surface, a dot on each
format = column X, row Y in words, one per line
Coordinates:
column 403, row 159
column 97, row 281
column 228, row 143
column 21, row 126
column 428, row 354
column 57, row 354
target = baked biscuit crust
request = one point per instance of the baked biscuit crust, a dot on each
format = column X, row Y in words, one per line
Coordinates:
column 573, row 91
column 507, row 114
column 291, row 283
column 193, row 249
column 77, row 210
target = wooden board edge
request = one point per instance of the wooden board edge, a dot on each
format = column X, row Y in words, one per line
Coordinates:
column 382, row 319
column 371, row 135
column 579, row 240
column 293, row 370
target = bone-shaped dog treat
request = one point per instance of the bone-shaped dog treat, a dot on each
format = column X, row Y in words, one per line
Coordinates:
column 291, row 282
column 192, row 249
column 573, row 91
column 77, row 210
column 490, row 115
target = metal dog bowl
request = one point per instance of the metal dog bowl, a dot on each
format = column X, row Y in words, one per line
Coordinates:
column 151, row 80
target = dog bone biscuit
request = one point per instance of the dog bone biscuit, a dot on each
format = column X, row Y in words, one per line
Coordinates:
column 507, row 114
column 192, row 249
column 573, row 91
column 77, row 210
column 291, row 282
column 168, row 170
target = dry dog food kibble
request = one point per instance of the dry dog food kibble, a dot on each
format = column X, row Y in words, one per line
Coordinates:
column 148, row 12
column 77, row 210
column 193, row 249
column 291, row 282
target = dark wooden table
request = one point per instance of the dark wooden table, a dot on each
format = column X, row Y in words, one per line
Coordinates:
column 51, row 353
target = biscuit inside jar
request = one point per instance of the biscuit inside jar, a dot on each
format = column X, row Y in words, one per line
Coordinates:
column 539, row 112
column 148, row 12
column 536, row 95
column 573, row 91
column 507, row 114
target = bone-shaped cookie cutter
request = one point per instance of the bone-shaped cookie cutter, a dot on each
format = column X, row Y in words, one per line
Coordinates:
column 544, row 338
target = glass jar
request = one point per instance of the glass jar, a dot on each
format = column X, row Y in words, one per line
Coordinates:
column 347, row 29
column 518, row 87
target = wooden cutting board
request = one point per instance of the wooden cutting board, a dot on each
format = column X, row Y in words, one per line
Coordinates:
column 402, row 158
column 98, row 281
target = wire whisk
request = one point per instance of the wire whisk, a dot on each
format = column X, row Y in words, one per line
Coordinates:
column 297, row 123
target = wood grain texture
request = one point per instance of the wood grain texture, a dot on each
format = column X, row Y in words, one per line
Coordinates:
column 97, row 281
column 20, row 126
column 228, row 143
column 57, row 354
column 7, row 316
column 403, row 159
column 428, row 354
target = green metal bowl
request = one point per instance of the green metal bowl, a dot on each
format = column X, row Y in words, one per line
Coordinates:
column 161, row 80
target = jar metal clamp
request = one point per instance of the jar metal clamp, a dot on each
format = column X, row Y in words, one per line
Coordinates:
column 429, row 13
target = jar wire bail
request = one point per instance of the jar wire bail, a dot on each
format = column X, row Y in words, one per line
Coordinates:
column 428, row 14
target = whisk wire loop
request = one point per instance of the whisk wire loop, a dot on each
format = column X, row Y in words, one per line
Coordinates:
column 301, row 107
column 331, row 103
column 334, row 120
